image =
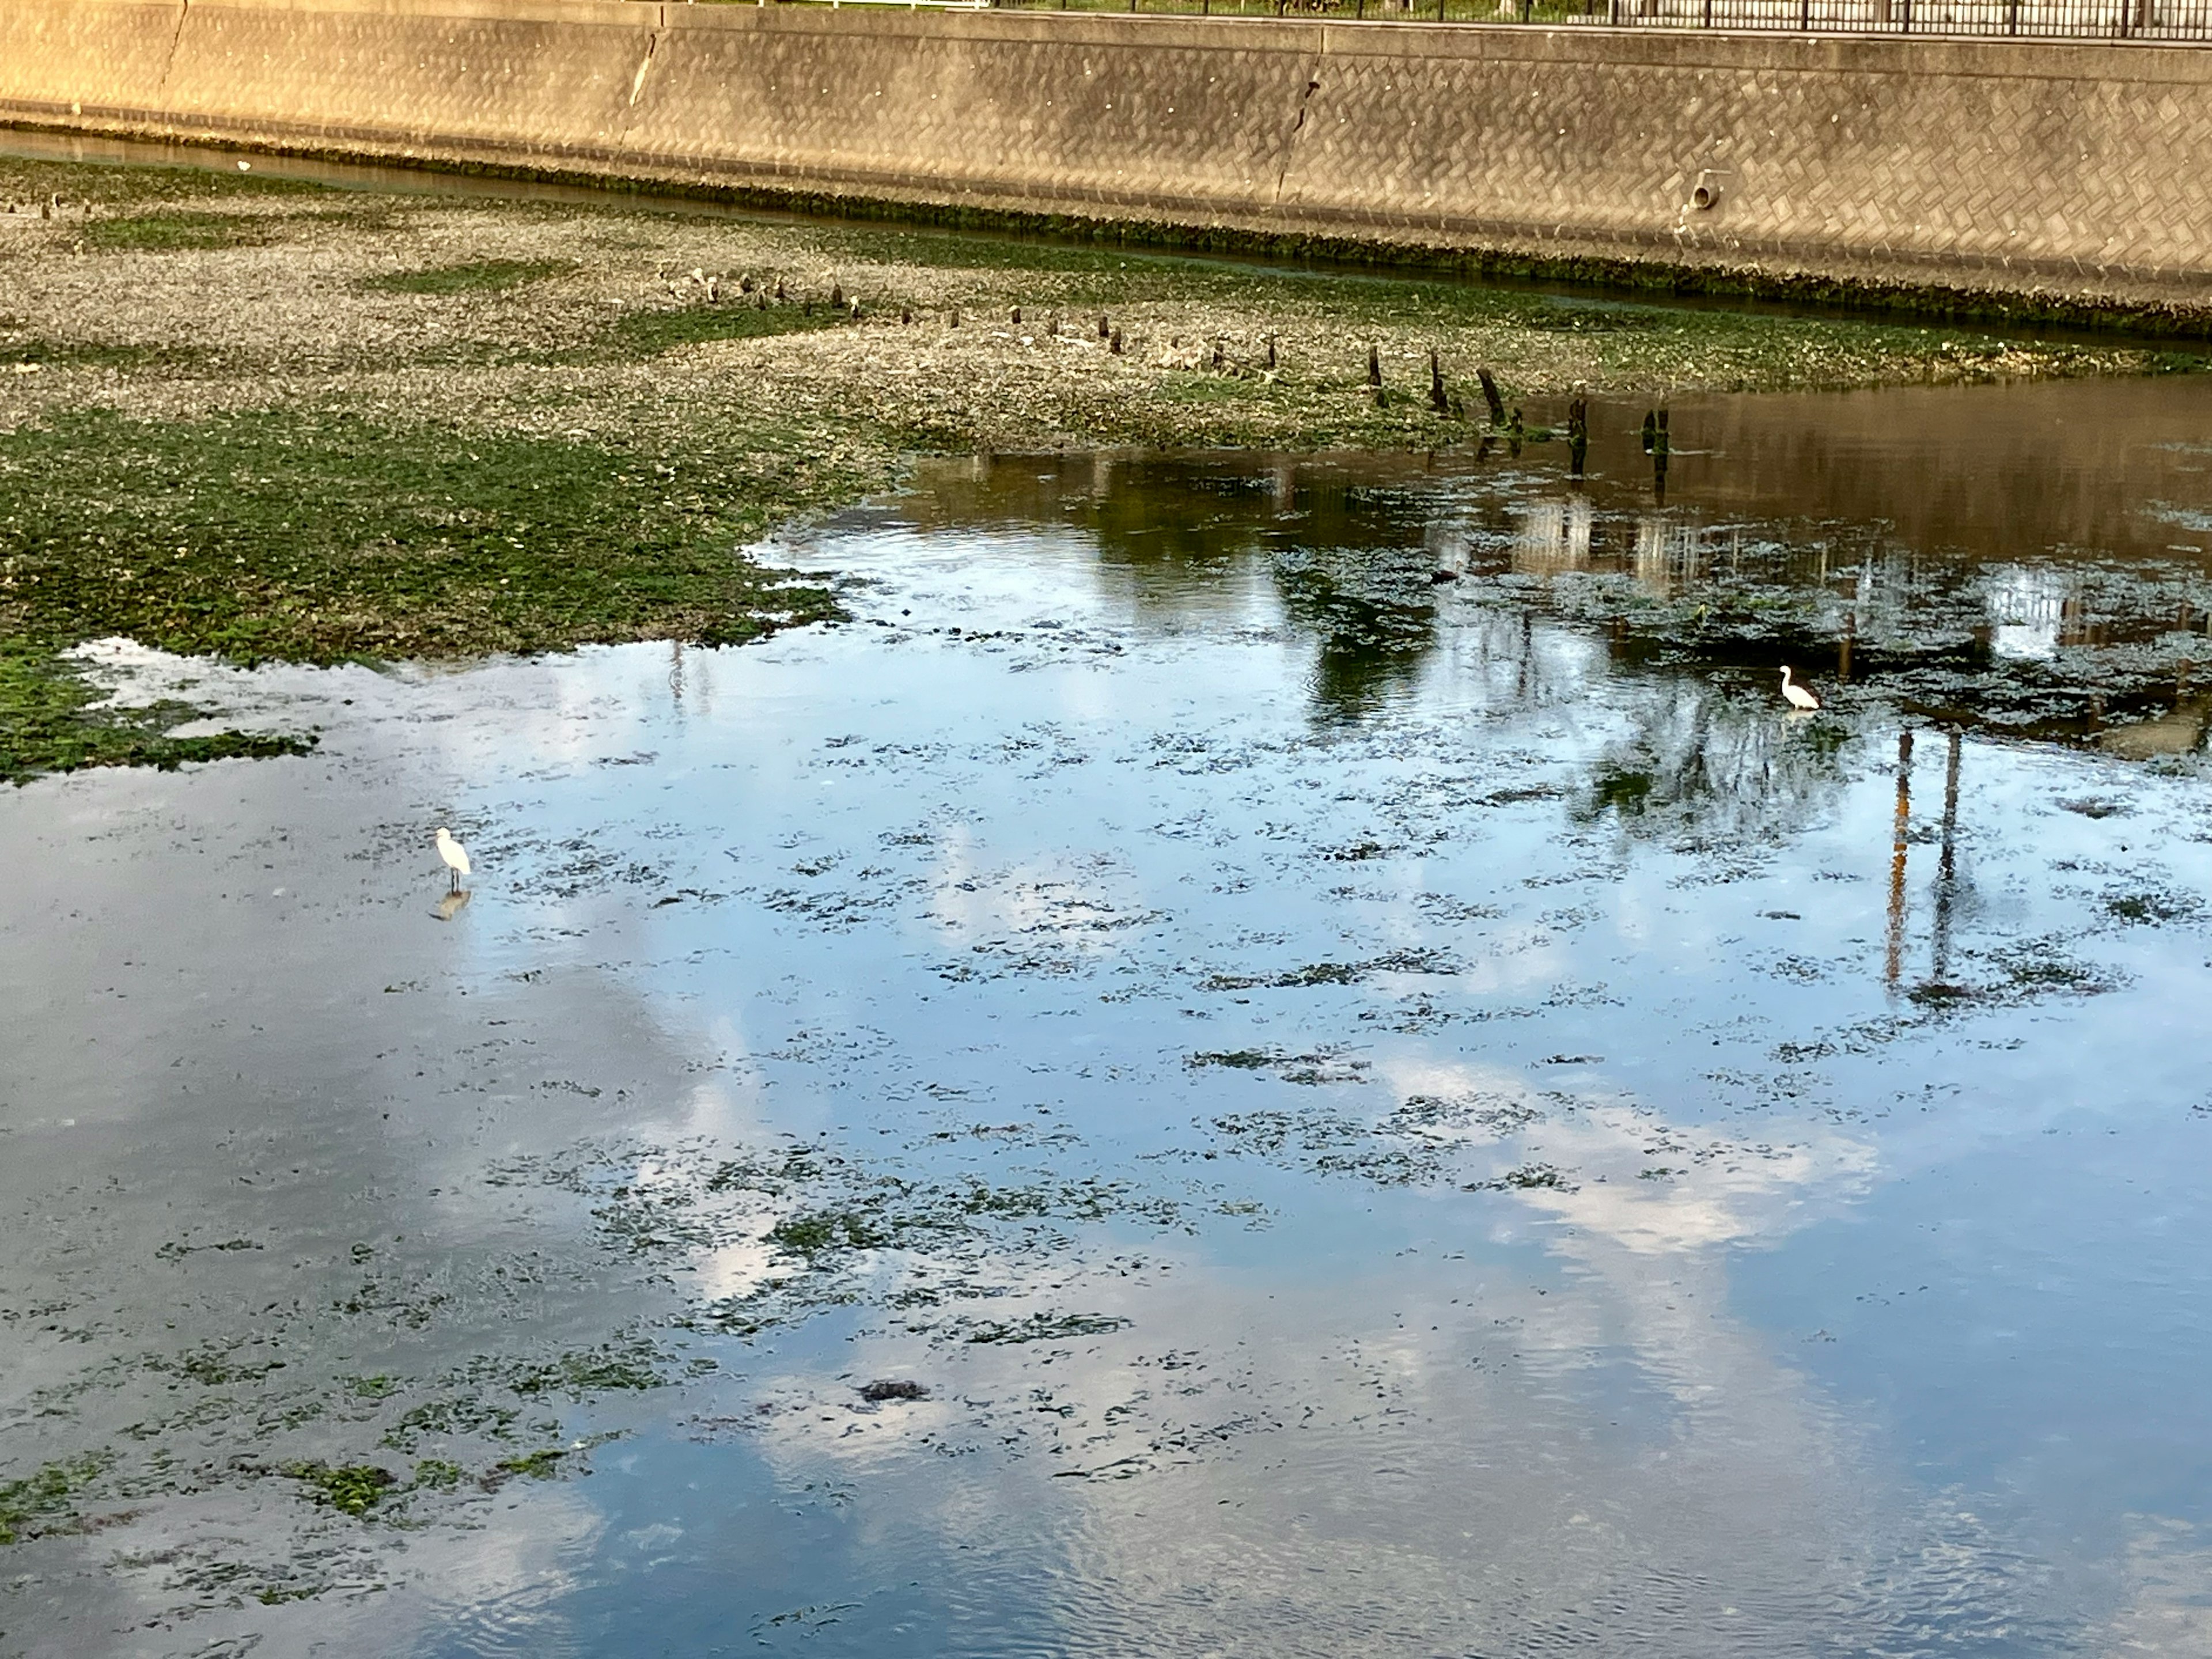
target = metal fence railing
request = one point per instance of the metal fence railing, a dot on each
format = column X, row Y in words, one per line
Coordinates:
column 2149, row 20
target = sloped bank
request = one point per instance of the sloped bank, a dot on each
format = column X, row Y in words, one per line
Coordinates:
column 2058, row 180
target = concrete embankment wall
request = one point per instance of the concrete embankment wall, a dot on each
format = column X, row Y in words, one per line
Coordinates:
column 2078, row 170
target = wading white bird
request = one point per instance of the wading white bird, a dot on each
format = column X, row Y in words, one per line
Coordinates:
column 455, row 855
column 1799, row 697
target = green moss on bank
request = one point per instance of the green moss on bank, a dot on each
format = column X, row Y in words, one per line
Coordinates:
column 166, row 232
column 316, row 538
column 648, row 333
column 475, row 276
column 269, row 536
column 342, row 427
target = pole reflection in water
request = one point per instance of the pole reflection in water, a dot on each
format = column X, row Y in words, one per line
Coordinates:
column 1947, row 868
column 1669, row 554
column 1555, row 538
column 1894, row 964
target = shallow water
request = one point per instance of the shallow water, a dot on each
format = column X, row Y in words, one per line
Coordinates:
column 1385, row 1115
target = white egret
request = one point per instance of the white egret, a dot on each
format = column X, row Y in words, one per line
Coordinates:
column 1799, row 697
column 455, row 855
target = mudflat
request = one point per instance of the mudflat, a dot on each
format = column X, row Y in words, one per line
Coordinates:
column 264, row 418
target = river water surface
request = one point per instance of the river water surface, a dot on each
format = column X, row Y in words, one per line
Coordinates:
column 1354, row 1079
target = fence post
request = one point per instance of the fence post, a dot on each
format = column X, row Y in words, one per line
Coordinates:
column 2012, row 16
column 1805, row 15
column 1709, row 14
column 1612, row 13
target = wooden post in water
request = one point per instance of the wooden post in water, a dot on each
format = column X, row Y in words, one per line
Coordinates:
column 1490, row 396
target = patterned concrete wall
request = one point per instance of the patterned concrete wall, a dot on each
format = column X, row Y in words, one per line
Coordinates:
column 2080, row 168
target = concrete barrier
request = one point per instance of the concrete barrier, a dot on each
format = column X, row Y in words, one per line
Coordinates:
column 2081, row 172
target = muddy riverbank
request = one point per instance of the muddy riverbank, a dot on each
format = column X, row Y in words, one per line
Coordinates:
column 278, row 421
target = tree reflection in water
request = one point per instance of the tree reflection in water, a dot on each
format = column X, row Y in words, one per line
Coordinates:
column 1779, row 545
column 1707, row 769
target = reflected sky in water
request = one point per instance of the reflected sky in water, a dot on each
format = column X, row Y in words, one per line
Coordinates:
column 1394, row 1098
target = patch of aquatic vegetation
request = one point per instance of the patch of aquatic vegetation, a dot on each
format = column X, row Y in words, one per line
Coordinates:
column 1038, row 1327
column 349, row 1488
column 258, row 538
column 179, row 231
column 469, row 277
column 581, row 1373
column 323, row 539
column 2011, row 974
column 488, row 1398
column 1525, row 1177
column 543, row 1464
column 2153, row 907
column 647, row 333
column 44, row 1499
column 1337, row 972
column 126, row 356
column 829, row 1232
column 1312, row 1069
column 217, row 1415
column 452, row 1417
column 1426, row 1139
column 54, row 719
column 1331, row 1143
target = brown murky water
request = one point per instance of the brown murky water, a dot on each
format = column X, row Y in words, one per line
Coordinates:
column 1376, row 1113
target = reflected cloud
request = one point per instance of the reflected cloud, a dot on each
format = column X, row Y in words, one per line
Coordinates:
column 2166, row 1600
